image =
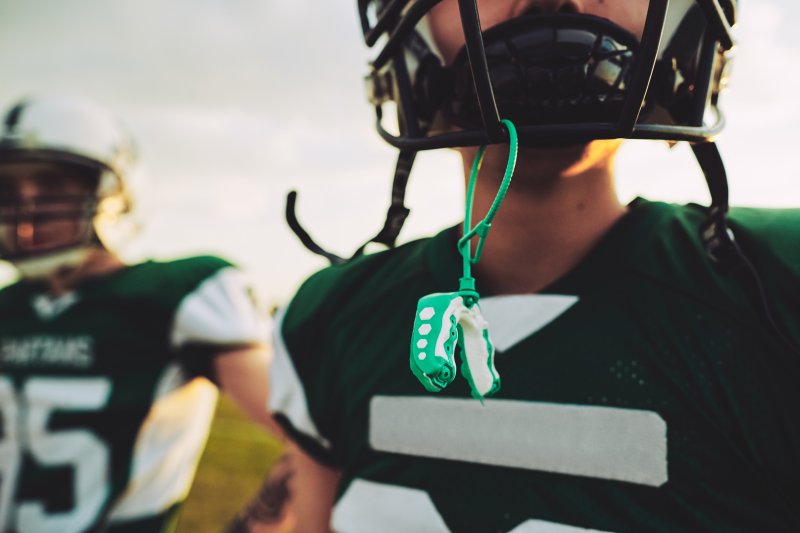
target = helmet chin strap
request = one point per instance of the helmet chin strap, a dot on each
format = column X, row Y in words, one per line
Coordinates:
column 395, row 216
column 43, row 266
column 722, row 248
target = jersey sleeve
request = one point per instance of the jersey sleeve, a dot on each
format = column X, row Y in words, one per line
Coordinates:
column 770, row 239
column 322, row 357
column 303, row 390
column 219, row 313
column 289, row 401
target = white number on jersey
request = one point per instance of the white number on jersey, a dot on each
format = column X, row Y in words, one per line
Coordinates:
column 25, row 420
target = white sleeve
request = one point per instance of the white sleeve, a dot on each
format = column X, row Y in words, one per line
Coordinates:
column 219, row 311
column 287, row 395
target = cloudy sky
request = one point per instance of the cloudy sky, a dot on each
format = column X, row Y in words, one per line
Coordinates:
column 234, row 103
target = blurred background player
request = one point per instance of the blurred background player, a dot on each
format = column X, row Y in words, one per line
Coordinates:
column 648, row 355
column 103, row 409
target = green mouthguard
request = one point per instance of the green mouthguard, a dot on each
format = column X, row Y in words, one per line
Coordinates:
column 444, row 318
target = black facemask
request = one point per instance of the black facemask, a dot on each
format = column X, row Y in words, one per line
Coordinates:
column 561, row 69
column 548, row 69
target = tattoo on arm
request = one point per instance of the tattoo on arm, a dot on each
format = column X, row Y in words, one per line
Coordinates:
column 270, row 504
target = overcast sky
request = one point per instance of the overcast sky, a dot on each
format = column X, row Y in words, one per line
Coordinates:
column 234, row 103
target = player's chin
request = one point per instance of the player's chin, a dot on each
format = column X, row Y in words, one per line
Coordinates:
column 558, row 161
column 553, row 154
column 569, row 152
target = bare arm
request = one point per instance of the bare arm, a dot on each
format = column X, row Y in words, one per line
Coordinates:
column 242, row 375
column 297, row 496
column 313, row 492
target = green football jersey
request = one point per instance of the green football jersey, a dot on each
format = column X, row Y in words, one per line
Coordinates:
column 101, row 418
column 642, row 391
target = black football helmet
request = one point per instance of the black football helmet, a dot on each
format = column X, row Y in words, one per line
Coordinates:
column 562, row 78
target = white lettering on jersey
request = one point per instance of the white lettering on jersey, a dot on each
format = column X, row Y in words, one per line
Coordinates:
column 42, row 350
column 368, row 506
column 582, row 440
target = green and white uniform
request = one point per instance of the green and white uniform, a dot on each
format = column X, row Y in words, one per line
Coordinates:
column 102, row 422
column 640, row 392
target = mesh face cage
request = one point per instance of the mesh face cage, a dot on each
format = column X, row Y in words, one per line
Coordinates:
column 686, row 74
column 20, row 220
column 545, row 69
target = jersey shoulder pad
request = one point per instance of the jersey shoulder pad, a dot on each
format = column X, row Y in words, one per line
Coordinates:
column 310, row 338
column 768, row 238
column 192, row 270
column 165, row 283
column 180, row 275
column 771, row 235
column 342, row 289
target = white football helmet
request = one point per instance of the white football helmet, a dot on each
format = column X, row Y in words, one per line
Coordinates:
column 78, row 135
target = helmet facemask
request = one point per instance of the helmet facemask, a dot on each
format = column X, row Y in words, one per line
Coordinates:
column 28, row 228
column 548, row 74
column 547, row 69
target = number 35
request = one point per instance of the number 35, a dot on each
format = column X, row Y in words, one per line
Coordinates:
column 25, row 419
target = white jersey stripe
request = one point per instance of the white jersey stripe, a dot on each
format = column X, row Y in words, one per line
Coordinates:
column 516, row 317
column 368, row 506
column 219, row 311
column 583, row 440
column 541, row 526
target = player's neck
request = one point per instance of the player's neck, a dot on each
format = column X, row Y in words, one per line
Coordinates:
column 545, row 226
column 99, row 262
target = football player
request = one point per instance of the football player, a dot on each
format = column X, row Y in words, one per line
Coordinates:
column 647, row 352
column 103, row 409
